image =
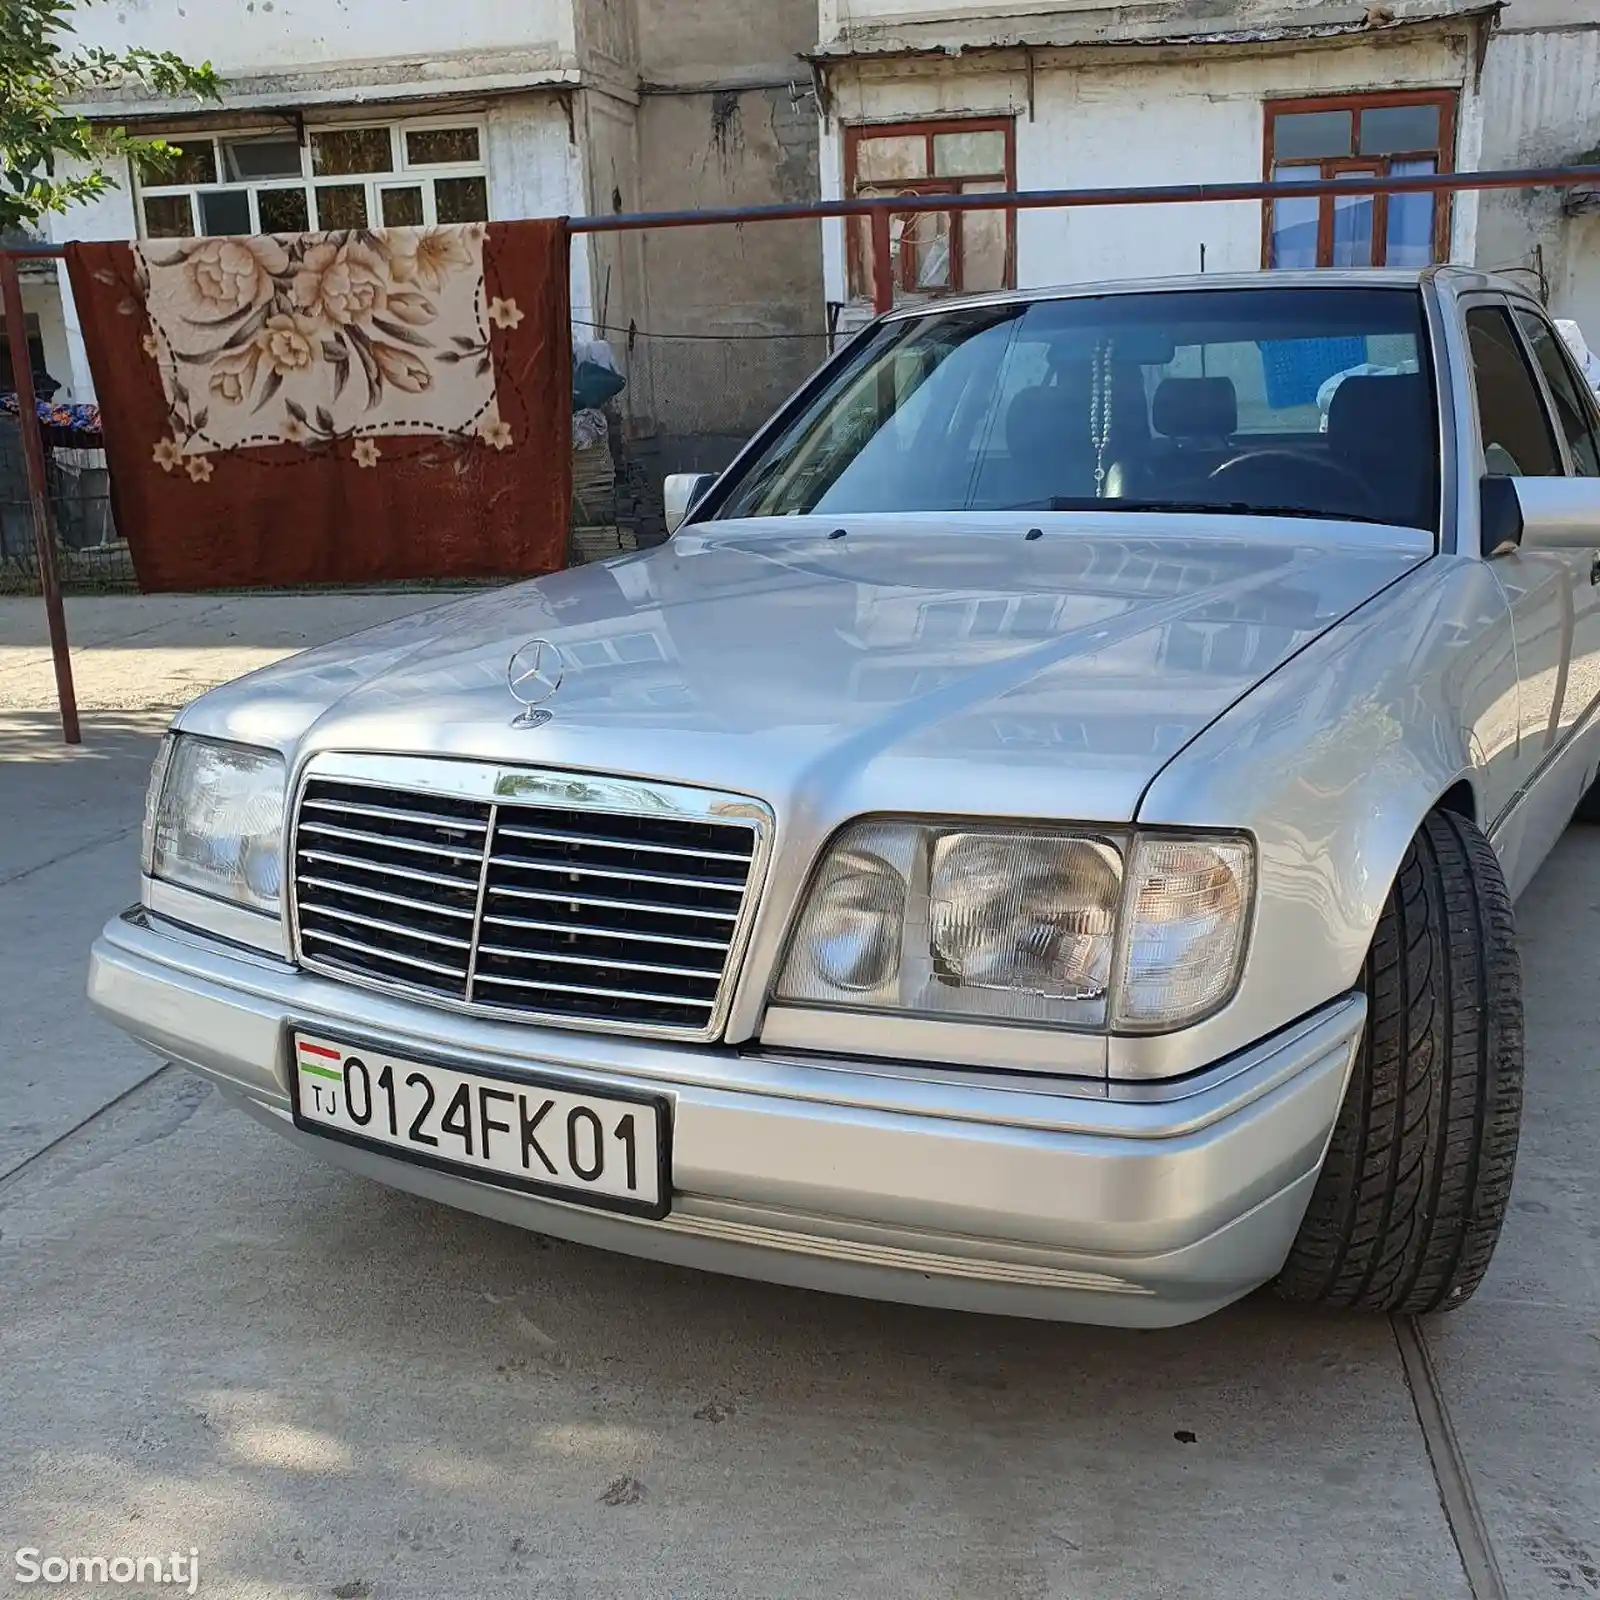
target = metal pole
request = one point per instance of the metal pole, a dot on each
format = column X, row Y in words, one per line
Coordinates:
column 44, row 532
column 1051, row 199
column 882, row 264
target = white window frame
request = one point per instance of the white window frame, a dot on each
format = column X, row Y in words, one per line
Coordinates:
column 404, row 173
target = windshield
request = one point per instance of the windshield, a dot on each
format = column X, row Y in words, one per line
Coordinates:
column 1287, row 401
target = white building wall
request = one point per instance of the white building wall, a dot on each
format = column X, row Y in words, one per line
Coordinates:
column 1199, row 120
column 278, row 35
column 536, row 170
column 39, row 299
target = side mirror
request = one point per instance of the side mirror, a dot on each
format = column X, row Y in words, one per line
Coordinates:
column 1540, row 514
column 681, row 492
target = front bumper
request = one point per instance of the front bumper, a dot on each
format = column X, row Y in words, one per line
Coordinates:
column 1022, row 1196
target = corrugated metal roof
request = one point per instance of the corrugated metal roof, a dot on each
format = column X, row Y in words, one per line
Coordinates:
column 1176, row 22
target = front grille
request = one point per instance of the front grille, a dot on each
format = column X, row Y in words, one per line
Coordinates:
column 558, row 913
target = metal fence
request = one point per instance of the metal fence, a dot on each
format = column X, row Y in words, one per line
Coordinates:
column 90, row 557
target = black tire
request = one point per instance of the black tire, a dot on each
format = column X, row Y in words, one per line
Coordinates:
column 1409, row 1204
column 1589, row 807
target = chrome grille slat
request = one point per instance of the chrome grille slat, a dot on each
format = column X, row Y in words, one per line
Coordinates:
column 553, row 898
column 345, row 808
column 593, row 961
column 572, row 868
column 409, row 874
column 601, row 842
column 386, row 955
column 610, row 994
column 380, row 926
column 385, row 897
column 390, row 842
column 631, row 916
column 590, row 931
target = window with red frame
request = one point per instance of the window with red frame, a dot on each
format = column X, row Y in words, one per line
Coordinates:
column 935, row 252
column 1359, row 136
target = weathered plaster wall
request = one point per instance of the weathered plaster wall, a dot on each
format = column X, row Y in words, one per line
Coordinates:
column 615, row 261
column 755, row 291
column 1541, row 89
column 1548, row 14
column 838, row 16
column 727, row 118
column 722, row 44
column 1191, row 120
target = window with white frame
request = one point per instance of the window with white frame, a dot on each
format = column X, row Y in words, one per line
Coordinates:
column 393, row 175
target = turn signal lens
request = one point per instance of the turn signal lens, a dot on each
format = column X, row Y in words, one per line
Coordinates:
column 1184, row 940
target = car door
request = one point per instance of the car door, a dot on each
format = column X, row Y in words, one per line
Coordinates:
column 1578, row 423
column 1518, row 439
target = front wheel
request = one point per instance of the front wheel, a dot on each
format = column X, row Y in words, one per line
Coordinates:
column 1409, row 1203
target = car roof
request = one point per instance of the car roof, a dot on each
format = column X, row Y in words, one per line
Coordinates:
column 1454, row 280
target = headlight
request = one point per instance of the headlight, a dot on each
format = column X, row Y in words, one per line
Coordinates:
column 1054, row 927
column 216, row 821
column 858, row 913
column 152, row 804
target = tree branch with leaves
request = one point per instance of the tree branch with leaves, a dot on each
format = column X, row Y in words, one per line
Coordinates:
column 44, row 68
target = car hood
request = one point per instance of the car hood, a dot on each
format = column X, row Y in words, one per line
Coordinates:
column 931, row 663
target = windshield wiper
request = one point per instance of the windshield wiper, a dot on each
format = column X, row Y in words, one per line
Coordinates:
column 1247, row 508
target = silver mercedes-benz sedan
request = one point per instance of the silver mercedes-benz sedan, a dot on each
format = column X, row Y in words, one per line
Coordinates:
column 1040, row 837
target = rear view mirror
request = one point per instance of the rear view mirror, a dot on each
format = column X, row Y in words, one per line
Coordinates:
column 683, row 490
column 1540, row 514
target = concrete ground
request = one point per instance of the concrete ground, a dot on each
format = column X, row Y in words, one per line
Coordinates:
column 209, row 1341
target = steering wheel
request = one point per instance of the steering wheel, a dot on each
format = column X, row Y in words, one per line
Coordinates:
column 1338, row 483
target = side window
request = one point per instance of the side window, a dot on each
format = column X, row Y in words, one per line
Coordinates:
column 1573, row 410
column 1517, row 437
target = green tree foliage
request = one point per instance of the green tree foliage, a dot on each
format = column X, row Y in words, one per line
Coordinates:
column 43, row 70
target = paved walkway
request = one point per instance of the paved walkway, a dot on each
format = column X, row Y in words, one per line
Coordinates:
column 209, row 1340
column 136, row 652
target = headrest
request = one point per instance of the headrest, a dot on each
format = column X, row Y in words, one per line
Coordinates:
column 1379, row 416
column 1195, row 408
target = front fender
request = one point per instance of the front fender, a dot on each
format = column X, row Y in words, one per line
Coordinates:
column 1332, row 763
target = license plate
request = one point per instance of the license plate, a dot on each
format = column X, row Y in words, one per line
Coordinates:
column 525, row 1132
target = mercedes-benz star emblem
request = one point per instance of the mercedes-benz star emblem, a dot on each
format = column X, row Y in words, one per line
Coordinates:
column 533, row 675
